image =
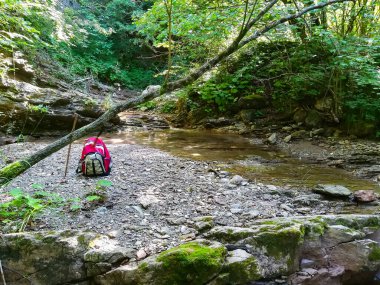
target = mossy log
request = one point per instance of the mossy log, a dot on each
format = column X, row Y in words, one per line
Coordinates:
column 16, row 168
column 11, row 171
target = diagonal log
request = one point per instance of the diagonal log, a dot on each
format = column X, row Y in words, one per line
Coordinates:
column 14, row 169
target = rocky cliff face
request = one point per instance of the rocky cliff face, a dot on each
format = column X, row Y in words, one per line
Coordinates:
column 31, row 105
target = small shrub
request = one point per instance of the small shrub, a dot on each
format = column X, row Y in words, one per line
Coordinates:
column 18, row 208
column 168, row 107
column 150, row 105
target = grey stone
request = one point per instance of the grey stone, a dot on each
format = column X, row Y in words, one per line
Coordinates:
column 272, row 138
column 365, row 196
column 332, row 190
column 288, row 138
column 237, row 180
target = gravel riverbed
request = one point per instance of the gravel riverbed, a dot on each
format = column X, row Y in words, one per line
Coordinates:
column 156, row 200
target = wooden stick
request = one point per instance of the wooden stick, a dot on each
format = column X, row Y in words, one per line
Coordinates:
column 68, row 152
column 2, row 274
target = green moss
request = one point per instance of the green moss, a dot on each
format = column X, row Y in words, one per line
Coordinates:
column 207, row 219
column 374, row 254
column 356, row 222
column 143, row 267
column 282, row 242
column 7, row 173
column 231, row 235
column 315, row 227
column 243, row 272
column 191, row 263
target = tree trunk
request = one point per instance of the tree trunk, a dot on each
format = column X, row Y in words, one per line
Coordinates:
column 14, row 169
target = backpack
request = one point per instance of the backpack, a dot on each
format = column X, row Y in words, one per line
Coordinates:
column 95, row 159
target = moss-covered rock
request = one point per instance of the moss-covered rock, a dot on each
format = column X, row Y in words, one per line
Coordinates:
column 282, row 242
column 229, row 234
column 336, row 234
column 300, row 134
column 313, row 119
column 357, row 222
column 240, row 268
column 203, row 224
column 253, row 101
column 299, row 115
column 46, row 257
column 192, row 263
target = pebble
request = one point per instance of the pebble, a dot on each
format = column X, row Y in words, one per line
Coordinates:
column 141, row 254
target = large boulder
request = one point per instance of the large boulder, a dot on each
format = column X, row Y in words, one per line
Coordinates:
column 313, row 119
column 58, row 257
column 253, row 101
column 275, row 244
column 309, row 250
column 338, row 249
column 194, row 263
column 313, row 250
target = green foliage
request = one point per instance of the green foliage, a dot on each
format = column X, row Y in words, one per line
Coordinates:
column 168, row 107
column 104, row 44
column 200, row 28
column 99, row 195
column 103, row 184
column 218, row 93
column 20, row 208
column 150, row 105
column 42, row 109
column 16, row 27
column 298, row 74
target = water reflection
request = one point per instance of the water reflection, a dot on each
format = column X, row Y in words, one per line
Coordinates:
column 239, row 155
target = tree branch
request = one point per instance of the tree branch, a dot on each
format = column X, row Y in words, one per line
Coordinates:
column 288, row 18
column 14, row 169
column 238, row 42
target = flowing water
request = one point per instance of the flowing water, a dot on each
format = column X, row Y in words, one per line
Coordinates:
column 240, row 155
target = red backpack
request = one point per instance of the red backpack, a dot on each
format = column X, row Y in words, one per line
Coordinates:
column 95, row 159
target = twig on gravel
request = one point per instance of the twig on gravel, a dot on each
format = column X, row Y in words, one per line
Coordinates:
column 2, row 274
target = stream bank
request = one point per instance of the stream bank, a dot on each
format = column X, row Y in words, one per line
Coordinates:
column 158, row 201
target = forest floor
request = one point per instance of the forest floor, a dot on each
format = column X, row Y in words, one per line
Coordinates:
column 157, row 200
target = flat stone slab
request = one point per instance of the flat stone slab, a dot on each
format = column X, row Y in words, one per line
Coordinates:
column 332, row 190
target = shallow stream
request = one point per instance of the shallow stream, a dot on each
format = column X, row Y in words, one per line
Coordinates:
column 240, row 155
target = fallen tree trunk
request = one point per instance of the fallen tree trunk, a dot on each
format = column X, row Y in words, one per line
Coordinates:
column 14, row 169
column 243, row 38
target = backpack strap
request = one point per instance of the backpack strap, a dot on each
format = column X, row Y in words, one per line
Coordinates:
column 79, row 168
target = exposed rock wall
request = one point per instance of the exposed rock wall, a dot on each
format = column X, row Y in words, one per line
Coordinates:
column 312, row 250
column 28, row 109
